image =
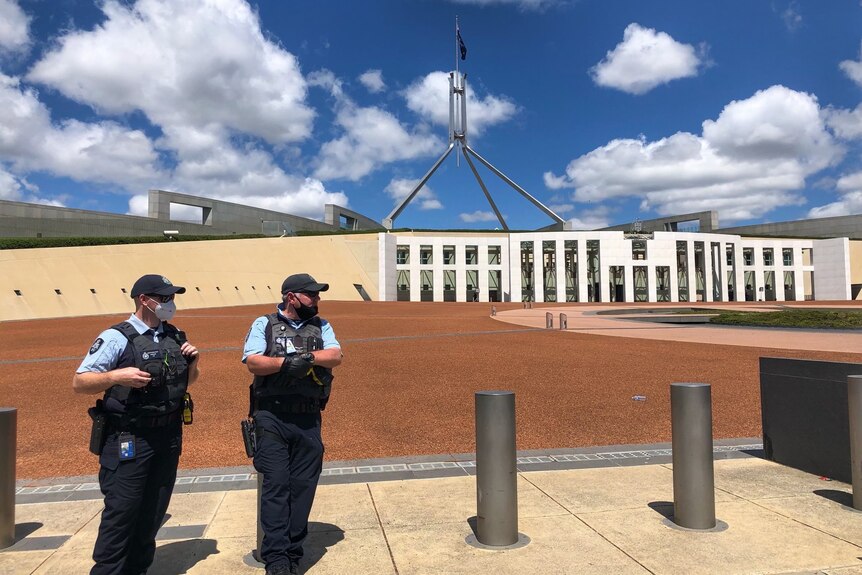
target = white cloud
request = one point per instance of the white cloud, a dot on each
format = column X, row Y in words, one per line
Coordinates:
column 478, row 216
column 591, row 219
column 205, row 75
column 10, row 186
column 791, row 17
column 774, row 124
column 303, row 197
column 850, row 204
column 373, row 81
column 645, row 59
column 853, row 69
column 850, row 187
column 14, row 27
column 372, row 137
column 846, row 124
column 561, row 208
column 752, row 159
column 192, row 63
column 399, row 189
column 17, row 189
column 850, row 183
column 429, row 97
column 103, row 152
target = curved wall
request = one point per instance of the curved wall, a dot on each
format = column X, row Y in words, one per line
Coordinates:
column 219, row 273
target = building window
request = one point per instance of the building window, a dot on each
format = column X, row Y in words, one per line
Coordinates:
column 449, row 255
column 549, row 263
column 594, row 292
column 526, row 271
column 729, row 251
column 748, row 256
column 570, row 255
column 682, row 270
column 426, row 255
column 494, row 255
column 787, row 255
column 640, row 281
column 639, row 249
column 662, row 283
column 472, row 283
column 768, row 257
column 403, row 285
column 471, row 255
column 449, row 284
column 808, row 257
column 494, row 292
column 426, row 281
column 402, row 255
column 769, row 285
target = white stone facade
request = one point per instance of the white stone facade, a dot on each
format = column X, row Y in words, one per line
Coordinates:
column 554, row 266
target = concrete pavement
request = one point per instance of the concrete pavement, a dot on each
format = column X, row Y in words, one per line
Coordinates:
column 597, row 510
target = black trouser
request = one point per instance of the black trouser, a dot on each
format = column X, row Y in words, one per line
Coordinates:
column 289, row 454
column 137, row 493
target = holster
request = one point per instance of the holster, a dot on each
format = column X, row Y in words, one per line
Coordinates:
column 99, row 430
column 248, row 438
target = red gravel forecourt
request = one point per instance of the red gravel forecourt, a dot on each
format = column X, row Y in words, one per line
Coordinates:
column 406, row 386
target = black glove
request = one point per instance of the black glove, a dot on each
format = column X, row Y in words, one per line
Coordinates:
column 297, row 366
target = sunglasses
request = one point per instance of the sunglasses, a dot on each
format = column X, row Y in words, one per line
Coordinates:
column 160, row 298
column 311, row 294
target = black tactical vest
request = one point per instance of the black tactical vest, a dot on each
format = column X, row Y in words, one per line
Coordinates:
column 315, row 385
column 163, row 361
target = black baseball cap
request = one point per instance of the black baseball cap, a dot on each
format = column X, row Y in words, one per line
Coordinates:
column 301, row 283
column 156, row 285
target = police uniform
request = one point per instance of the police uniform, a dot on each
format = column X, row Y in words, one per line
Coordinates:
column 142, row 440
column 289, row 447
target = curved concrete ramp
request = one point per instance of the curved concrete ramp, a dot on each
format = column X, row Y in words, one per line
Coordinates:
column 587, row 319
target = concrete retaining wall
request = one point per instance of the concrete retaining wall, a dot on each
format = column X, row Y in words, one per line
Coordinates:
column 90, row 280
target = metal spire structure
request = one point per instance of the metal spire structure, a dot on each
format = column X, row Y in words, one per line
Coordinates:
column 458, row 139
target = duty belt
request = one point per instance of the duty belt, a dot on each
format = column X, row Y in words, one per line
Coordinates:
column 123, row 422
column 292, row 405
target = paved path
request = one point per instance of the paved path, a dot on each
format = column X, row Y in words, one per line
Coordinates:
column 587, row 320
column 613, row 519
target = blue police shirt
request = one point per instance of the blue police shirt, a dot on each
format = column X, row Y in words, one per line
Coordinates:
column 109, row 346
column 255, row 341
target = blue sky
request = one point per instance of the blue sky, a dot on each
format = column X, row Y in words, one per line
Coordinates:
column 606, row 111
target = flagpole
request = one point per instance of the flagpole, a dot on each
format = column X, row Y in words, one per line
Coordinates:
column 456, row 45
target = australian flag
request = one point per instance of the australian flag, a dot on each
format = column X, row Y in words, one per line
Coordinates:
column 461, row 47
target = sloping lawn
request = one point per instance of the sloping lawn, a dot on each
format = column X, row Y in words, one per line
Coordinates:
column 800, row 318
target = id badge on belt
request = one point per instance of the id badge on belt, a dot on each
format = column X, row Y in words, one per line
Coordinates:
column 126, row 444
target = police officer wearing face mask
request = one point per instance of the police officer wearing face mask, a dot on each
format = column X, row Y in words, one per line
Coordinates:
column 291, row 354
column 143, row 367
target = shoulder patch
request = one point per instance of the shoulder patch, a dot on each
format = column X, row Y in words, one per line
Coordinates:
column 96, row 345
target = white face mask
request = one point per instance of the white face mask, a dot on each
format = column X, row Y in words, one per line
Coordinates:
column 165, row 311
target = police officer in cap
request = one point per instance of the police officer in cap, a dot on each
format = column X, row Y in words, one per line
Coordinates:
column 143, row 367
column 291, row 354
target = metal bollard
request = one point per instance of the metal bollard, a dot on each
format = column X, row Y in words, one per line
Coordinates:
column 854, row 403
column 693, row 474
column 496, row 471
column 8, row 447
column 549, row 320
column 564, row 321
column 256, row 552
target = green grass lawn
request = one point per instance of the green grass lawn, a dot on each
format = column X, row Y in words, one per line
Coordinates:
column 800, row 318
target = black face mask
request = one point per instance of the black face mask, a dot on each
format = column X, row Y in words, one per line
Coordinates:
column 305, row 312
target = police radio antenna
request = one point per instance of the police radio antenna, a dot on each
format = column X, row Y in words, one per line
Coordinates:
column 458, row 139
